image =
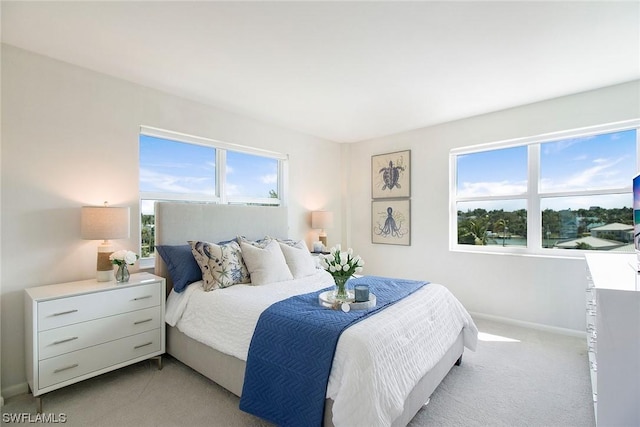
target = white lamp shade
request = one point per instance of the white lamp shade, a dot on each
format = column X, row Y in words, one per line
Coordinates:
column 321, row 219
column 105, row 222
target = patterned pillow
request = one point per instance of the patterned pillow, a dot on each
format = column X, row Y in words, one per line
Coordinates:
column 289, row 242
column 260, row 243
column 221, row 264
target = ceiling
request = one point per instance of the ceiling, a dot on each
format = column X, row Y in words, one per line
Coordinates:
column 343, row 71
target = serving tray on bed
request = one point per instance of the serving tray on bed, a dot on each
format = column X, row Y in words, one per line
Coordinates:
column 327, row 299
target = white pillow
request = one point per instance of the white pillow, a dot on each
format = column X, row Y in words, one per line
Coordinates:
column 265, row 265
column 298, row 259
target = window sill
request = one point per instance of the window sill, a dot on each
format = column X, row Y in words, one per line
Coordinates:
column 147, row 263
column 548, row 253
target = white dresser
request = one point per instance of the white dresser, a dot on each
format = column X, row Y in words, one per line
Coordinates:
column 78, row 330
column 613, row 337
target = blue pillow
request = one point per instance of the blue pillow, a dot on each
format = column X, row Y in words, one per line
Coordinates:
column 183, row 267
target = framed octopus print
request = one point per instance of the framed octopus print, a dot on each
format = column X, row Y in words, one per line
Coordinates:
column 391, row 222
column 391, row 175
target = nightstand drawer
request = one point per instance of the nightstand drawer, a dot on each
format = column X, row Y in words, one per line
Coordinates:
column 88, row 360
column 66, row 311
column 54, row 342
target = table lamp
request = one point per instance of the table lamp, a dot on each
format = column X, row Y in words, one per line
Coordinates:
column 322, row 220
column 104, row 223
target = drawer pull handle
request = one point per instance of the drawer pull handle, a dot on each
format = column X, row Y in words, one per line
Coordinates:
column 66, row 368
column 142, row 321
column 144, row 297
column 142, row 345
column 65, row 340
column 64, row 312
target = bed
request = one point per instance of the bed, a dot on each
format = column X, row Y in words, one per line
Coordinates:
column 177, row 223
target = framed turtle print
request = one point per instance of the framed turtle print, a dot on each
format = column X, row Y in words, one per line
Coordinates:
column 391, row 222
column 391, row 175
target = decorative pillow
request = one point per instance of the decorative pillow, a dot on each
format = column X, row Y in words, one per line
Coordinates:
column 265, row 265
column 182, row 266
column 289, row 242
column 221, row 264
column 260, row 243
column 298, row 259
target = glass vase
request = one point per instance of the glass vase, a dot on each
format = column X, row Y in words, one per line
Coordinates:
column 341, row 292
column 122, row 274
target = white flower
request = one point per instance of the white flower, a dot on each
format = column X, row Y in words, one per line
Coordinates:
column 130, row 257
column 123, row 257
column 341, row 263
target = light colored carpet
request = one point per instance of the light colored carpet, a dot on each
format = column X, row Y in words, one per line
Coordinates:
column 517, row 377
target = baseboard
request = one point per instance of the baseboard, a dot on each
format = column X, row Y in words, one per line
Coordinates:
column 15, row 390
column 531, row 325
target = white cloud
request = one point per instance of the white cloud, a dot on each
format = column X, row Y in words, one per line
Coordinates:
column 269, row 179
column 474, row 189
column 147, row 207
column 233, row 189
column 558, row 146
column 164, row 182
column 603, row 173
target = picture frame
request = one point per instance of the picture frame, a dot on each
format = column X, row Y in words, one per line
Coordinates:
column 391, row 222
column 391, row 175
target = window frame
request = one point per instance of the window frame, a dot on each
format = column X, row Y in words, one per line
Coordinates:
column 532, row 195
column 220, row 176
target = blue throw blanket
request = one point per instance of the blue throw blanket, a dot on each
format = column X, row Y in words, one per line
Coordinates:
column 292, row 350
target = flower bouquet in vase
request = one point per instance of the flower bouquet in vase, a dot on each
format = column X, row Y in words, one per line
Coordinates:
column 123, row 258
column 341, row 265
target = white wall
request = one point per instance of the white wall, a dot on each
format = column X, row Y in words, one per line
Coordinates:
column 547, row 291
column 70, row 138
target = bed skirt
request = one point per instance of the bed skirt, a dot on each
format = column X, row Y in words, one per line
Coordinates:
column 228, row 371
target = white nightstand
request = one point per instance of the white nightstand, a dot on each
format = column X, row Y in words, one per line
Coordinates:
column 78, row 330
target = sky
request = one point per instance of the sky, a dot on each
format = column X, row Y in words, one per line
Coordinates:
column 176, row 167
column 587, row 163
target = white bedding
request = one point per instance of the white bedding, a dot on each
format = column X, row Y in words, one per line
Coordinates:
column 378, row 361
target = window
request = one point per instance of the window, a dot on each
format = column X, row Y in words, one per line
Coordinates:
column 251, row 178
column 570, row 190
column 181, row 167
column 492, row 207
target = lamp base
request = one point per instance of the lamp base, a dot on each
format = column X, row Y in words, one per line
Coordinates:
column 323, row 240
column 104, row 267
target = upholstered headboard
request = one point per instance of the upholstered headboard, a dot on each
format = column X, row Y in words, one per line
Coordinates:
column 176, row 223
